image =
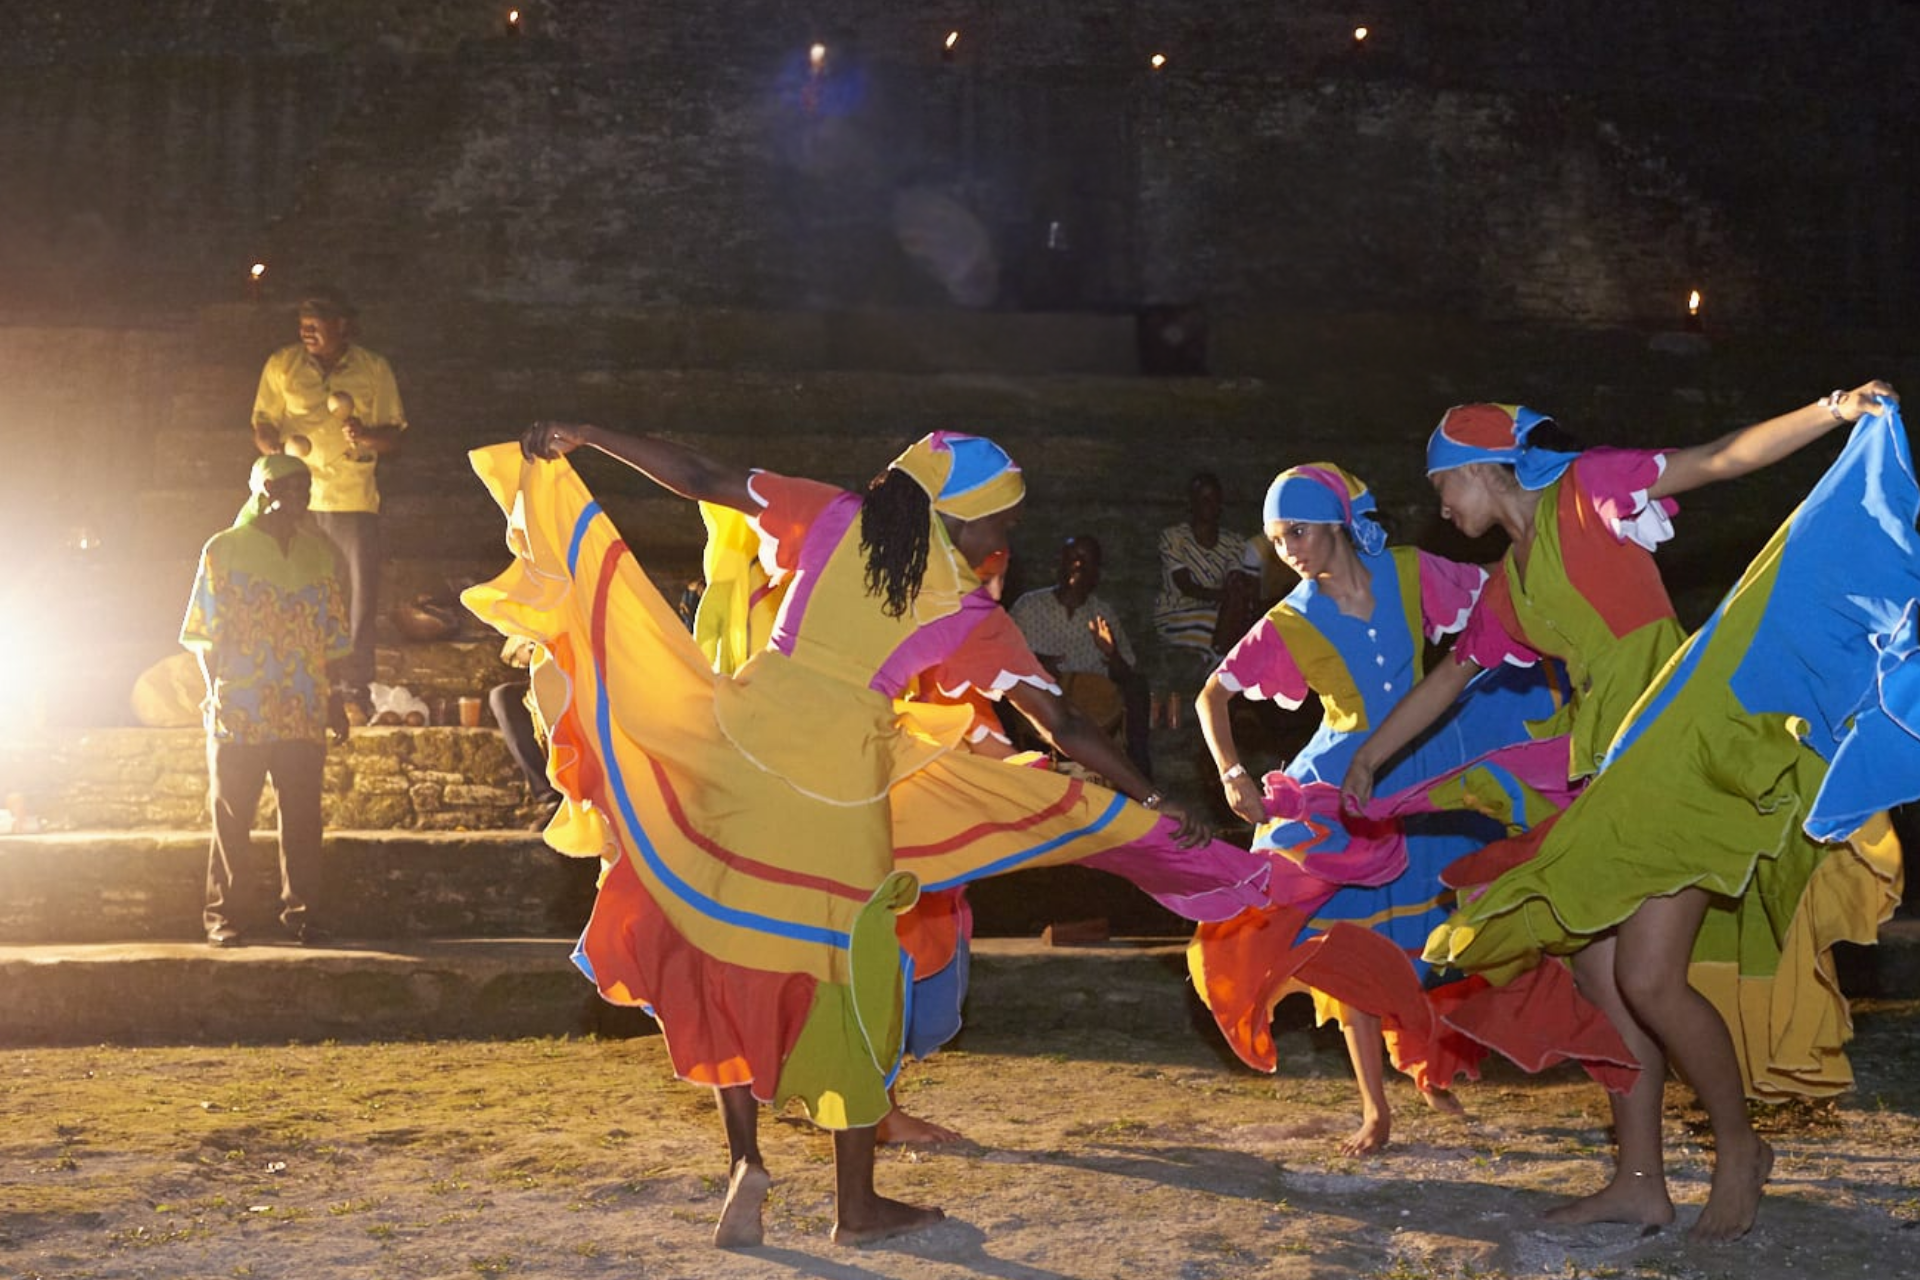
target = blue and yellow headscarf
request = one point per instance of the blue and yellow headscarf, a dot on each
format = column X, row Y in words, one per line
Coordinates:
column 1495, row 433
column 1321, row 493
column 966, row 476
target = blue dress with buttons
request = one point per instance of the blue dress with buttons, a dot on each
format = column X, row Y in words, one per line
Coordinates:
column 1360, row 668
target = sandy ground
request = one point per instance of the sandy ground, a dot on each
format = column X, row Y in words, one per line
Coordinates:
column 1109, row 1139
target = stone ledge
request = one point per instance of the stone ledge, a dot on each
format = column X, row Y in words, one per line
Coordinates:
column 115, row 886
column 156, row 779
column 161, row 993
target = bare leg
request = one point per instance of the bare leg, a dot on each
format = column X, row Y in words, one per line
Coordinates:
column 866, row 1215
column 1442, row 1099
column 747, row 1180
column 1638, row 1191
column 1362, row 1031
column 1655, row 943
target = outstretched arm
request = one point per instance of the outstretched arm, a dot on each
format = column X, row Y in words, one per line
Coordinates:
column 1764, row 443
column 673, row 467
column 1066, row 727
column 1424, row 704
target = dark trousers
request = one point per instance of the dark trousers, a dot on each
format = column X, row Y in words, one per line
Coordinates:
column 236, row 775
column 356, row 537
column 509, row 705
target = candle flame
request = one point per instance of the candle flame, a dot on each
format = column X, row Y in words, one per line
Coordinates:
column 257, row 270
column 1693, row 302
column 953, row 38
column 513, row 17
column 1158, row 61
column 1360, row 34
column 817, row 54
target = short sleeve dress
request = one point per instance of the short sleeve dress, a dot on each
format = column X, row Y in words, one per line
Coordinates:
column 1704, row 779
column 1364, row 895
column 762, row 828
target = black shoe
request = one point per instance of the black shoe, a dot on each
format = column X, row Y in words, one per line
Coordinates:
column 225, row 937
column 312, row 935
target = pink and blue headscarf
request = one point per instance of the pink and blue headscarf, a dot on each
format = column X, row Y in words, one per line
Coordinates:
column 1321, row 493
column 965, row 476
column 1495, row 433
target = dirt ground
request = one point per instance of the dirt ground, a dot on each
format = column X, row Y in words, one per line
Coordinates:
column 1109, row 1139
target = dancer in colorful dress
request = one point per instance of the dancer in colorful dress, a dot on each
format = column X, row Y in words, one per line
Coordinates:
column 1685, row 856
column 1368, row 894
column 762, row 829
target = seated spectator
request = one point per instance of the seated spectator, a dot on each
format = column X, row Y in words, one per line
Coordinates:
column 508, row 703
column 1077, row 635
column 1199, row 563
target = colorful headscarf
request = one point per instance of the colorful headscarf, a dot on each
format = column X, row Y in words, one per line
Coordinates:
column 966, row 476
column 1495, row 433
column 1321, row 493
column 267, row 468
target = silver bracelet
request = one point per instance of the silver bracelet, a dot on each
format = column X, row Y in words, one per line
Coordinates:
column 1832, row 402
column 1153, row 800
column 1237, row 771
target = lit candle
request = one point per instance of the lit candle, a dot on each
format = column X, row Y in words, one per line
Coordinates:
column 254, row 273
column 513, row 22
column 946, row 50
column 817, row 58
column 1693, row 310
column 1157, row 61
column 1360, row 35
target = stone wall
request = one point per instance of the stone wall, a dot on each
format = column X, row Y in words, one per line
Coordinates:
column 434, row 779
column 1587, row 160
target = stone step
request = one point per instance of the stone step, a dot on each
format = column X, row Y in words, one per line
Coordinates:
column 155, row 780
column 186, row 993
column 100, row 886
column 904, row 340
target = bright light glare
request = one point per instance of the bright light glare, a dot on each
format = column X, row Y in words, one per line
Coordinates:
column 1360, row 34
column 22, row 683
column 817, row 54
column 953, row 38
column 257, row 270
column 1157, row 61
column 513, row 17
column 1693, row 303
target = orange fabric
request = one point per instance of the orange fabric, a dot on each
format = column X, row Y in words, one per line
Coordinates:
column 1539, row 1020
column 756, row 1011
column 931, row 932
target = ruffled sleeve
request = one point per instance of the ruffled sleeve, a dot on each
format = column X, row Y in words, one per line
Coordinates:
column 1262, row 667
column 788, row 507
column 1614, row 484
column 1448, row 591
column 991, row 659
column 1491, row 635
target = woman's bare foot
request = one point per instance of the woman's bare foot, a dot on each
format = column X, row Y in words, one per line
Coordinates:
column 882, row 1219
column 1630, row 1197
column 1372, row 1135
column 901, row 1129
column 1739, row 1176
column 1443, row 1101
column 740, row 1217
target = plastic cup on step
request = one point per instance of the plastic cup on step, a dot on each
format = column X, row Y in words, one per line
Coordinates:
column 469, row 713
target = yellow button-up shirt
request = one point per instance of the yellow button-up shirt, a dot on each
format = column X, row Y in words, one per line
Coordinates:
column 293, row 400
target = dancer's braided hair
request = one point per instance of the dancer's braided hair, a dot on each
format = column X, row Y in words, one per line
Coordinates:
column 895, row 519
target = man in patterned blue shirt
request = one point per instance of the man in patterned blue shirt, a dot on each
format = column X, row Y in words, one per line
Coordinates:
column 268, row 622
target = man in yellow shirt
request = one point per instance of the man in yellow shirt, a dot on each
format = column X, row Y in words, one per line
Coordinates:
column 336, row 407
